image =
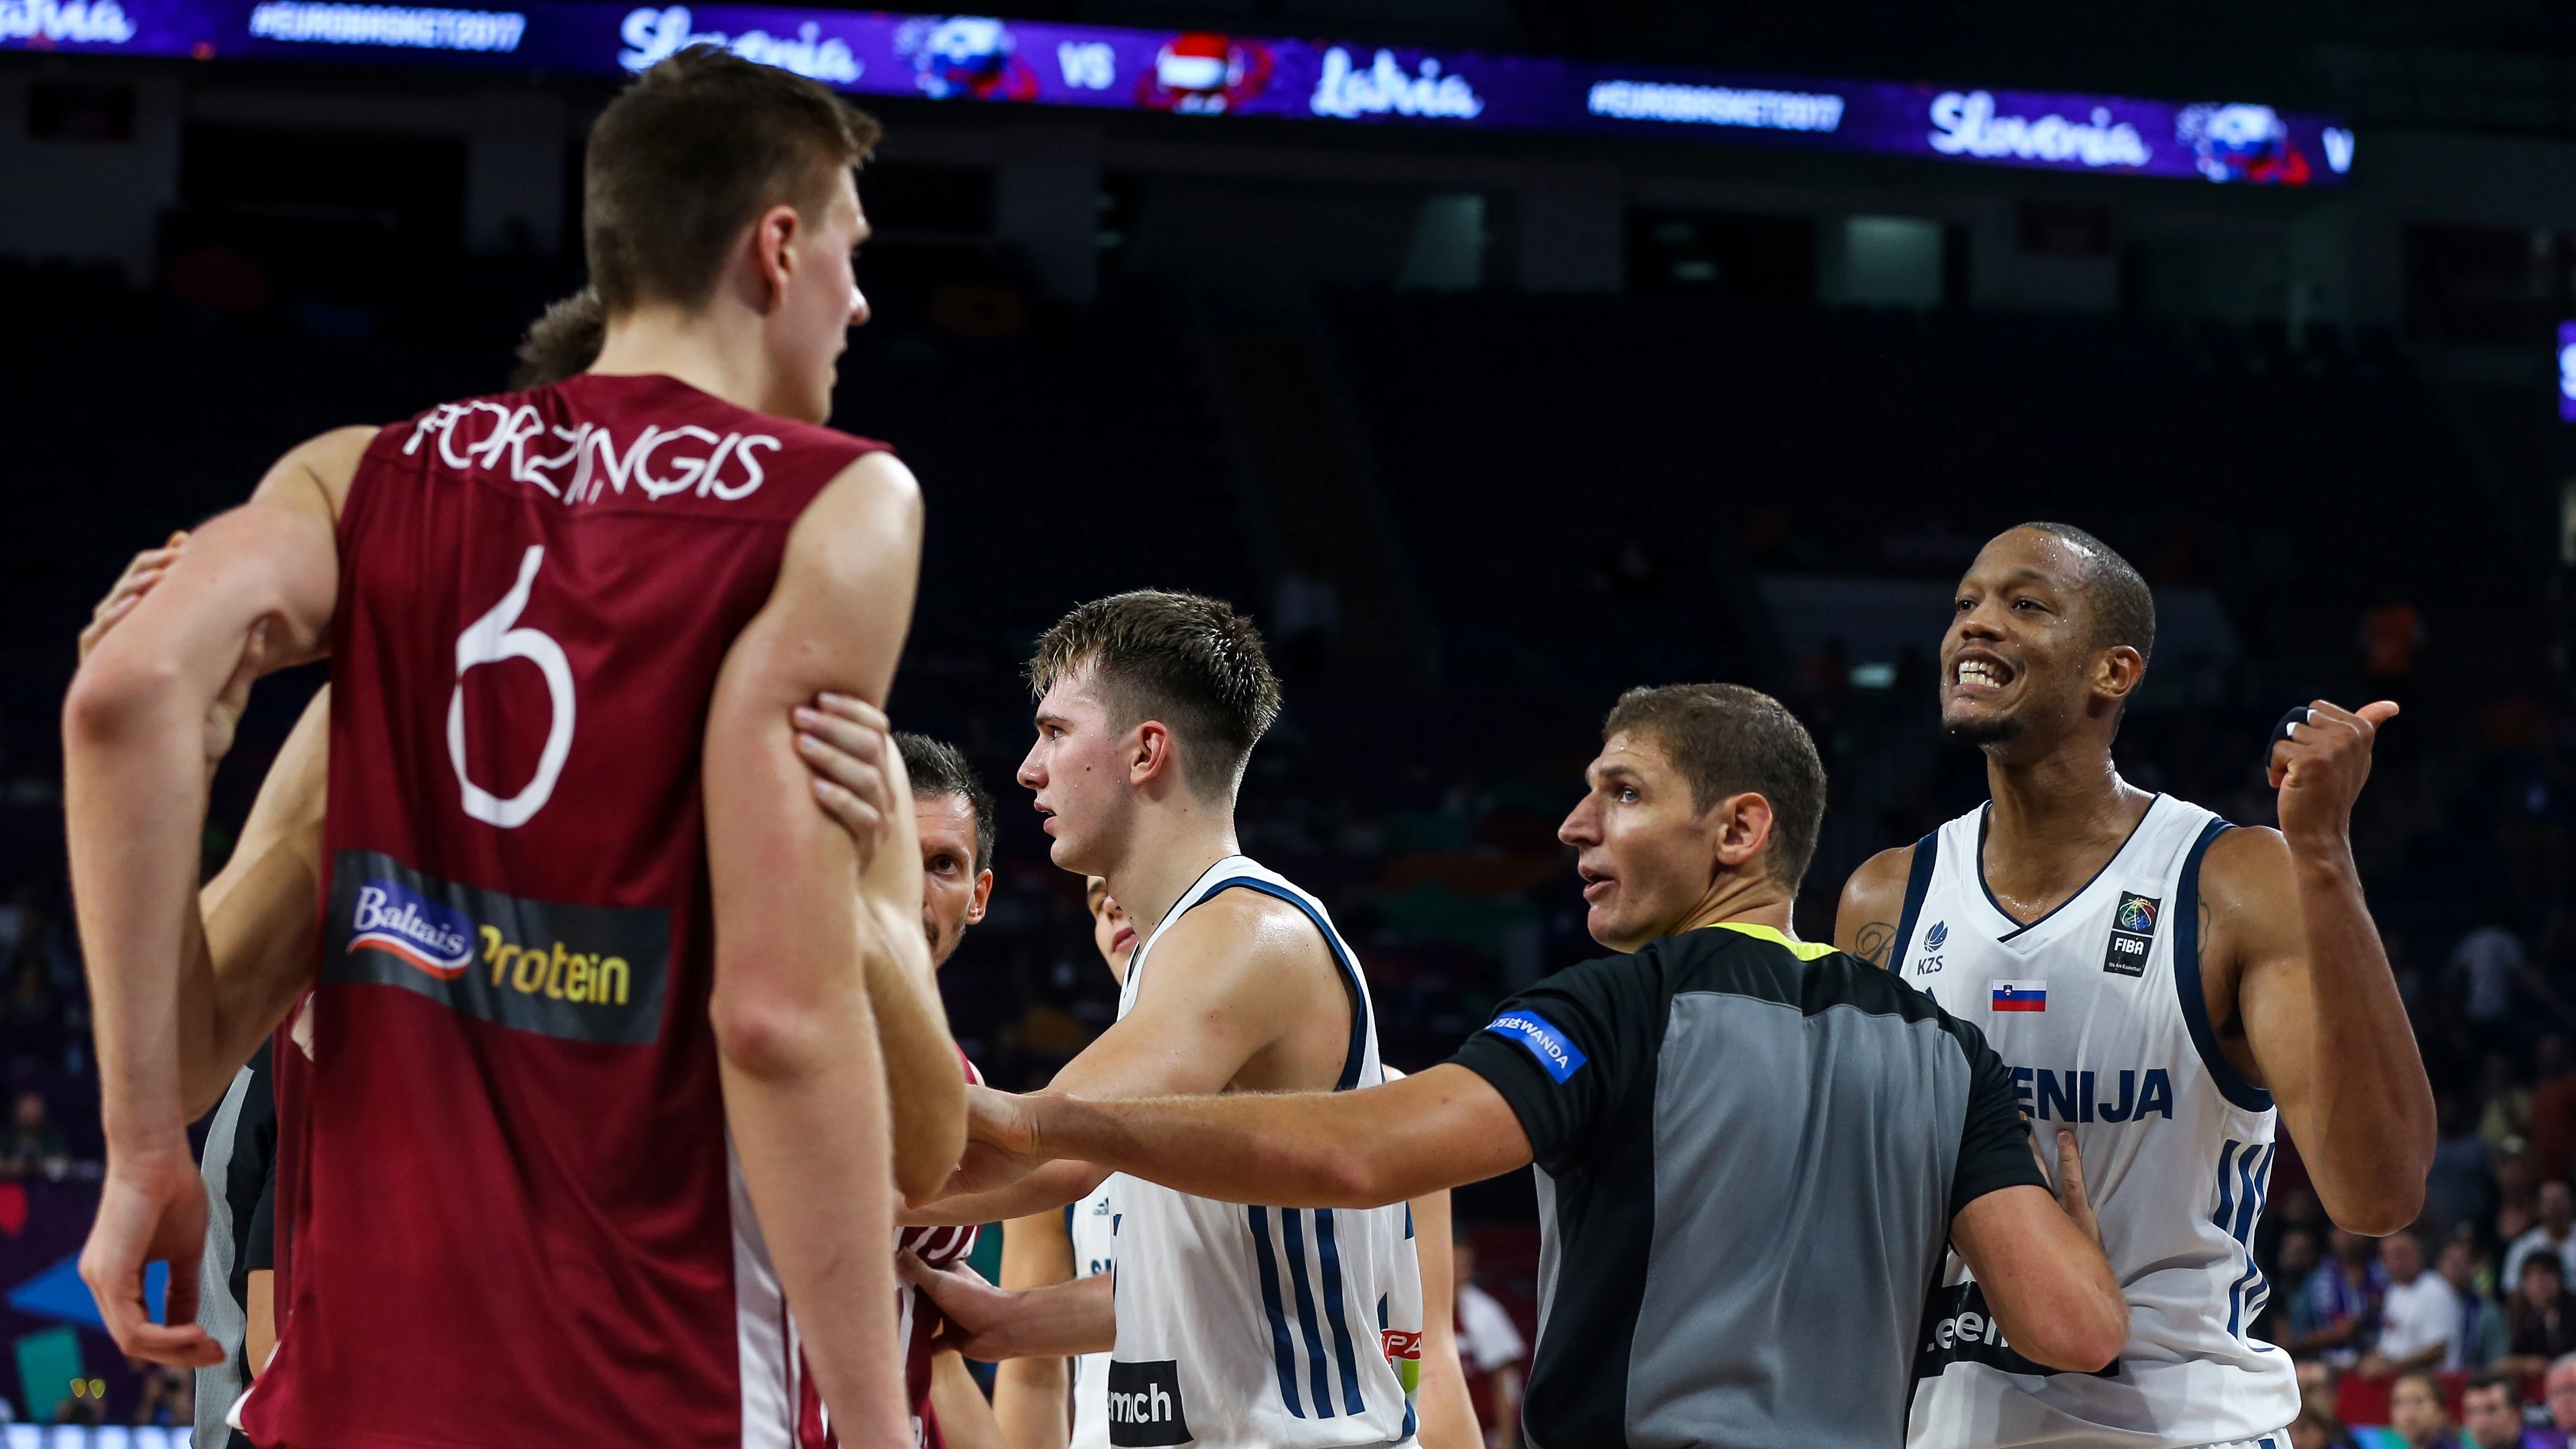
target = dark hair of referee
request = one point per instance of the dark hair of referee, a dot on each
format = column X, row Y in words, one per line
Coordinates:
column 1895, row 1121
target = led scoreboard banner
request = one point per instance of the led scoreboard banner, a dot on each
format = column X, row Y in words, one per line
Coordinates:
column 970, row 58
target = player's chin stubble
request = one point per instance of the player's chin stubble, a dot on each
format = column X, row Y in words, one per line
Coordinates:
column 1989, row 731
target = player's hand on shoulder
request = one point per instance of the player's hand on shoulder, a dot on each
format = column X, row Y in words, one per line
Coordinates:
column 2320, row 768
column 843, row 742
column 141, row 573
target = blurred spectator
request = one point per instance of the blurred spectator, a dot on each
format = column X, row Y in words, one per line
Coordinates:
column 32, row 1147
column 2482, row 1336
column 2338, row 1306
column 2415, row 1411
column 2318, row 1428
column 2419, row 1315
column 2517, row 1202
column 2559, row 1391
column 1492, row 1347
column 2508, row 1114
column 2491, row 1415
column 2391, row 632
column 2485, row 967
column 2540, row 1321
column 168, row 1399
column 2553, row 1108
column 2461, row 1185
column 2554, row 1233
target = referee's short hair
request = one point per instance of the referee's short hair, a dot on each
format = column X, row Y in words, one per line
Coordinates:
column 939, row 768
column 1727, row 740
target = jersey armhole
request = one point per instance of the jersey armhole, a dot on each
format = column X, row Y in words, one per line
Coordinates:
column 1918, row 884
column 1358, row 1051
column 2240, row 1093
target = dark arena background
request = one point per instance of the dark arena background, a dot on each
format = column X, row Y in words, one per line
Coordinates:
column 1496, row 355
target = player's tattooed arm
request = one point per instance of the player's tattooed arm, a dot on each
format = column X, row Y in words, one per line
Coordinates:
column 1873, row 901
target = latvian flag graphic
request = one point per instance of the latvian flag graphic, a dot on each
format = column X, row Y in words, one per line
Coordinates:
column 2021, row 996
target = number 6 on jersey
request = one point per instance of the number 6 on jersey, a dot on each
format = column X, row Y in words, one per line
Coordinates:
column 489, row 640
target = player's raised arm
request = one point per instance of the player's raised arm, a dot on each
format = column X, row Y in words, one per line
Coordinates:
column 804, row 1077
column 254, row 590
column 2314, row 985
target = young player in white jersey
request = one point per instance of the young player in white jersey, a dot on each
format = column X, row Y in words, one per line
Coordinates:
column 1230, row 1325
column 2169, row 987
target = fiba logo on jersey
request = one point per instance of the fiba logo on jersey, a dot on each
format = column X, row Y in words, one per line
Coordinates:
column 411, row 929
column 2133, row 934
column 1145, row 1403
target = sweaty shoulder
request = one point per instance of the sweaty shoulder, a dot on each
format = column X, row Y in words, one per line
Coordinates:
column 1254, row 942
column 317, row 470
column 2247, row 868
column 1873, row 903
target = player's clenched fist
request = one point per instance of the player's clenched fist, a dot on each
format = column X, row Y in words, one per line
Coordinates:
column 2320, row 767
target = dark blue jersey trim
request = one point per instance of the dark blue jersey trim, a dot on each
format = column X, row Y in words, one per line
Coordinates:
column 1358, row 1052
column 2186, row 973
column 1281, row 1354
column 1918, row 884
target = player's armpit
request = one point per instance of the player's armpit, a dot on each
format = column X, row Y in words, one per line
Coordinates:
column 804, row 1075
column 261, row 941
column 1873, row 902
column 1438, row 1128
column 2312, row 986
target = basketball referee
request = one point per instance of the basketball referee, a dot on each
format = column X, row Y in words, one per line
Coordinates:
column 1751, row 1150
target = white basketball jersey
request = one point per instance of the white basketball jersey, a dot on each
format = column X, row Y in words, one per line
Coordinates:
column 1259, row 1327
column 2097, row 1008
column 1093, row 1225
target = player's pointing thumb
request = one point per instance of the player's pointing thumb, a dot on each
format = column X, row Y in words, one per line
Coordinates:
column 2378, row 712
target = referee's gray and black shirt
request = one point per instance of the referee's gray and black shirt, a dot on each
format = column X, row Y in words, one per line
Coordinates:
column 1749, row 1151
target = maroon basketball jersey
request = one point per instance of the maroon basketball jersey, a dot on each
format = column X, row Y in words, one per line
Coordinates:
column 515, row 1218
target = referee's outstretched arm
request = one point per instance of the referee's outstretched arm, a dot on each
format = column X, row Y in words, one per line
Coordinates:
column 2039, row 1260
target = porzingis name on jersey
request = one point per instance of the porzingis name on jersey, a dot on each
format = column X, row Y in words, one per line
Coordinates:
column 575, row 464
column 581, row 973
column 420, row 932
column 2127, row 1095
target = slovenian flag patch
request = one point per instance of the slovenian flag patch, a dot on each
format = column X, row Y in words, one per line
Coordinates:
column 2021, row 996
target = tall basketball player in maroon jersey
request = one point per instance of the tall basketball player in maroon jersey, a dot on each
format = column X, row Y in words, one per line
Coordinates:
column 592, row 987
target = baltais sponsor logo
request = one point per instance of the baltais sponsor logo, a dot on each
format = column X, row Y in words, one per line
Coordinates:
column 579, row 973
column 413, row 931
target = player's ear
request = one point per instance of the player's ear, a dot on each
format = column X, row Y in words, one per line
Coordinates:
column 2117, row 671
column 983, row 897
column 773, row 254
column 1743, row 828
column 1151, row 753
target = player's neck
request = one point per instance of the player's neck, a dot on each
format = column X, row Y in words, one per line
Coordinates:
column 716, row 349
column 1742, row 900
column 1173, row 845
column 2064, row 806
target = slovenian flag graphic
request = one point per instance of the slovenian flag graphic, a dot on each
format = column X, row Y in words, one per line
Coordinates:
column 2021, row 996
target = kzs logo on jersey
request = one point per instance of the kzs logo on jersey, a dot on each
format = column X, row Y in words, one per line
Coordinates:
column 1145, row 1403
column 2133, row 933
